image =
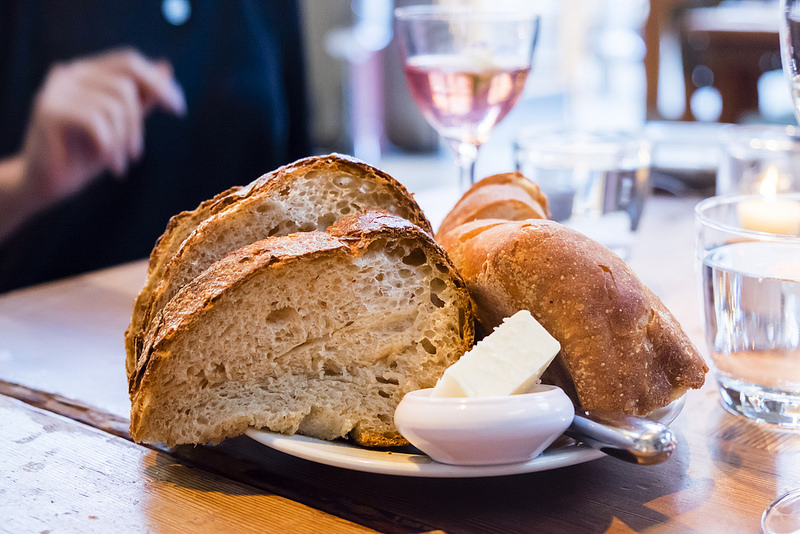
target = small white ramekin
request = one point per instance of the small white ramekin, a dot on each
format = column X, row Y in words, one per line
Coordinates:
column 484, row 430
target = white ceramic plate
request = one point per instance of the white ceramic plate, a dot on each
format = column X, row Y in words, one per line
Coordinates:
column 409, row 462
column 412, row 463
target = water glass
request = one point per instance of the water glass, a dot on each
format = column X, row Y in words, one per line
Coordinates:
column 759, row 159
column 748, row 254
column 596, row 182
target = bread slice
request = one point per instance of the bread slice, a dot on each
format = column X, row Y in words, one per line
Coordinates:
column 309, row 194
column 621, row 349
column 316, row 333
column 178, row 228
column 508, row 196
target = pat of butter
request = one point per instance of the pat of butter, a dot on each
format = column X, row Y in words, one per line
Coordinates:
column 510, row 360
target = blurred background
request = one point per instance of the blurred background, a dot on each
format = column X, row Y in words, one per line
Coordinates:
column 676, row 70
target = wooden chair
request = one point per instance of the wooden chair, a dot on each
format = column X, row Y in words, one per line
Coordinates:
column 727, row 46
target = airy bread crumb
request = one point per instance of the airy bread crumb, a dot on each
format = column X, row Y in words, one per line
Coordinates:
column 309, row 194
column 314, row 333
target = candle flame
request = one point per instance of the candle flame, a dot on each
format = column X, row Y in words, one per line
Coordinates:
column 769, row 183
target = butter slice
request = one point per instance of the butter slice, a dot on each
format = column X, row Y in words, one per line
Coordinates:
column 509, row 361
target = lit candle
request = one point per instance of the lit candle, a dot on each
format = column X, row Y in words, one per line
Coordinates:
column 769, row 213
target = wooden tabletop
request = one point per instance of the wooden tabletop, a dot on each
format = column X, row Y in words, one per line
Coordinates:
column 68, row 464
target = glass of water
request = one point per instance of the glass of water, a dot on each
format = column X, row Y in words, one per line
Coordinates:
column 748, row 251
column 759, row 159
column 595, row 181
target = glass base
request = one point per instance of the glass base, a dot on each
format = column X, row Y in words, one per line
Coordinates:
column 783, row 515
column 760, row 403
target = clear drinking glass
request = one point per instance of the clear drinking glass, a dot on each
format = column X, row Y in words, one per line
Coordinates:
column 466, row 67
column 595, row 181
column 759, row 159
column 748, row 249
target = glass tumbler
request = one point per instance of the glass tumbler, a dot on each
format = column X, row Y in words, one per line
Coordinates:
column 748, row 257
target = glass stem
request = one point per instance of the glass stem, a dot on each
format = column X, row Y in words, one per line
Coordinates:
column 466, row 155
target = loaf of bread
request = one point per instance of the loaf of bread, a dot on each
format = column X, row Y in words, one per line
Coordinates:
column 318, row 333
column 508, row 196
column 621, row 349
column 309, row 194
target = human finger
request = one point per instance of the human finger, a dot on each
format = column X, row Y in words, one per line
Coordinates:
column 123, row 108
column 99, row 118
column 155, row 80
column 105, row 127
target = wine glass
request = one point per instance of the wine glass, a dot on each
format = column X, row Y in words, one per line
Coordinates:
column 783, row 515
column 790, row 49
column 466, row 67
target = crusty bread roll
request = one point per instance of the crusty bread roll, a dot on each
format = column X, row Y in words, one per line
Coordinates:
column 309, row 194
column 622, row 350
column 508, row 196
column 320, row 333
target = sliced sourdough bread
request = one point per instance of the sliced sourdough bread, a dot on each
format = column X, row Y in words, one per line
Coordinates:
column 309, row 194
column 318, row 333
column 178, row 228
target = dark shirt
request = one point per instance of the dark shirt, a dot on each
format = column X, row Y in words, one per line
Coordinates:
column 240, row 64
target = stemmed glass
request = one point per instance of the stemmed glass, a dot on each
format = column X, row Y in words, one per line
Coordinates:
column 466, row 68
column 783, row 515
column 790, row 49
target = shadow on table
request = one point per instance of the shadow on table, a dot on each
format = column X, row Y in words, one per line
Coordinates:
column 590, row 497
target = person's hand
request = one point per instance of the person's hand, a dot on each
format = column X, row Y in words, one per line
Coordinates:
column 88, row 117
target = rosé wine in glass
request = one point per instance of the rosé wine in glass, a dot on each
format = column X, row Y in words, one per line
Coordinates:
column 466, row 68
column 464, row 99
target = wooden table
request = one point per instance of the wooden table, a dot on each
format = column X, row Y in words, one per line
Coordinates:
column 68, row 464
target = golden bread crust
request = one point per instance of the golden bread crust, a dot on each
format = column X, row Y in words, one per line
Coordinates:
column 508, row 196
column 622, row 349
column 182, row 245
column 178, row 228
column 190, row 308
